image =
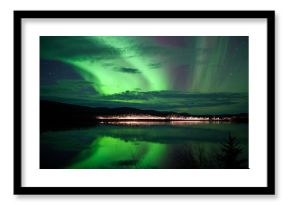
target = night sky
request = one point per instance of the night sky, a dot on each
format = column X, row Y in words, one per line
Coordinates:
column 193, row 74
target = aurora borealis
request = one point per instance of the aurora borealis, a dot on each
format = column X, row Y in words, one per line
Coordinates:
column 197, row 75
column 193, row 74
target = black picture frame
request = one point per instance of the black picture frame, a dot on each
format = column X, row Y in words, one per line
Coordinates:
column 269, row 189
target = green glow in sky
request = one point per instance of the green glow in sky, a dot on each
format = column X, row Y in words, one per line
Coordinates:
column 142, row 66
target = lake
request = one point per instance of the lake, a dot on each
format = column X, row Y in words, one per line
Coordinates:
column 147, row 145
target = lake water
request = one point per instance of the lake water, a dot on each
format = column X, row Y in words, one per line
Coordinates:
column 144, row 145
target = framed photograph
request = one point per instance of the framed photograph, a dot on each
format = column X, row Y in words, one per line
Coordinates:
column 144, row 102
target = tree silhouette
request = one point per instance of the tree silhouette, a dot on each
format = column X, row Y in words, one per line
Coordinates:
column 230, row 154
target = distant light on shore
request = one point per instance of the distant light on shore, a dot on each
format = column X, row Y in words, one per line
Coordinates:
column 167, row 118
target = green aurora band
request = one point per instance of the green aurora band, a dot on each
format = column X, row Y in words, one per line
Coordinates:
column 198, row 74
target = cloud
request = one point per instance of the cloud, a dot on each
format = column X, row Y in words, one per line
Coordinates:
column 128, row 70
column 154, row 65
column 176, row 101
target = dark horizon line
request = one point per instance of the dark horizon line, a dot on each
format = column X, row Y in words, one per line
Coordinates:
column 149, row 110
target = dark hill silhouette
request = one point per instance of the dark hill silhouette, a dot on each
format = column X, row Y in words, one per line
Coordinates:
column 55, row 115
